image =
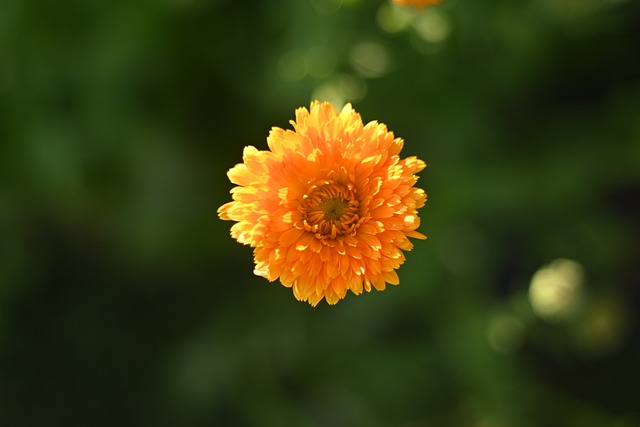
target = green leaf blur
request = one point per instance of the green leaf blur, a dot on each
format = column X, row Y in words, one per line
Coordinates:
column 125, row 302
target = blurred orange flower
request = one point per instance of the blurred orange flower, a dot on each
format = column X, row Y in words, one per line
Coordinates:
column 417, row 3
column 330, row 207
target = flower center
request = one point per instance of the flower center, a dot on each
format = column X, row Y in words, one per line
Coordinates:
column 330, row 210
column 333, row 209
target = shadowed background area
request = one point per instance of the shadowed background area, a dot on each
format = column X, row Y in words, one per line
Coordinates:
column 124, row 301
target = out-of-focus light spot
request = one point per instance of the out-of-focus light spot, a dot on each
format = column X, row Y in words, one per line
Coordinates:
column 604, row 326
column 370, row 59
column 329, row 92
column 352, row 88
column 555, row 290
column 340, row 90
column 326, row 6
column 292, row 66
column 320, row 61
column 505, row 334
column 432, row 25
column 393, row 19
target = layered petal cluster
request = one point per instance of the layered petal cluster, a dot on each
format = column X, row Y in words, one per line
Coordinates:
column 417, row 3
column 329, row 207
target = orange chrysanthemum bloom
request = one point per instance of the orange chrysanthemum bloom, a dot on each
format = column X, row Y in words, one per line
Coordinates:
column 330, row 207
column 417, row 3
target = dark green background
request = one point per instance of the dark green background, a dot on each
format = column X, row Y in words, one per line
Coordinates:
column 123, row 300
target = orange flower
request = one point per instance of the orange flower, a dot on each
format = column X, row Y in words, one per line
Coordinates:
column 417, row 3
column 330, row 207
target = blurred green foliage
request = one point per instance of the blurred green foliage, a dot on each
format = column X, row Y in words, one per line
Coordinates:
column 123, row 301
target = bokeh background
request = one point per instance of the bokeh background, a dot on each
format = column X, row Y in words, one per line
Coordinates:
column 123, row 300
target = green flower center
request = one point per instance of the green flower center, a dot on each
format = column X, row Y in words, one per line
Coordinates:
column 333, row 208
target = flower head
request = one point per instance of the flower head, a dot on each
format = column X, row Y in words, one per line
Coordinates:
column 417, row 3
column 330, row 207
